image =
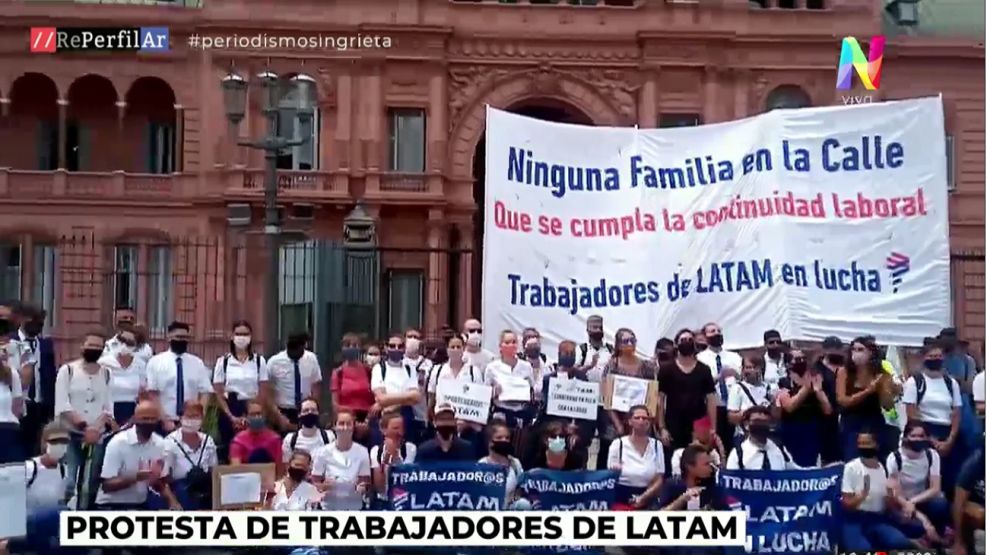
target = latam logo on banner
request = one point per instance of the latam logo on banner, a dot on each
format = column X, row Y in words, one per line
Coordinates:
column 49, row 40
column 813, row 222
column 898, row 265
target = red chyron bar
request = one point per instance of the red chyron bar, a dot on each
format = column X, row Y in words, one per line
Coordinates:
column 77, row 39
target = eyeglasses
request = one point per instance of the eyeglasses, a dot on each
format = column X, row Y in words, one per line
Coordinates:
column 628, row 341
column 395, row 346
column 475, row 330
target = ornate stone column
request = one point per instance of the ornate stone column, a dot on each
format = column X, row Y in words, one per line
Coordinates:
column 711, row 94
column 647, row 101
column 741, row 86
column 467, row 255
column 63, row 114
column 438, row 276
column 179, row 138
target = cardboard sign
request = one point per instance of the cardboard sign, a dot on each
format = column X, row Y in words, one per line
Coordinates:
column 241, row 486
column 629, row 387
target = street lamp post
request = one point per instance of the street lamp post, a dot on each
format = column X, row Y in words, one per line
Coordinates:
column 235, row 100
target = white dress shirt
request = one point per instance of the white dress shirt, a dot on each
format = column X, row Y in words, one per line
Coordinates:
column 281, row 370
column 728, row 359
column 87, row 395
column 125, row 383
column 636, row 470
column 177, row 455
column 498, row 371
column 594, row 374
column 937, row 403
column 162, row 376
column 300, row 500
column 144, row 352
column 979, row 389
column 420, row 368
column 396, row 380
column 740, row 401
column 853, row 482
column 345, row 468
column 754, row 457
column 125, row 456
column 242, row 378
column 7, row 396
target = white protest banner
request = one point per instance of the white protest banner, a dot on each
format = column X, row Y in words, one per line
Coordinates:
column 814, row 222
column 572, row 399
column 471, row 400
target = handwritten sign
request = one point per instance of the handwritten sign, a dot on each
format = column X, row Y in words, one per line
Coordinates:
column 572, row 399
column 471, row 400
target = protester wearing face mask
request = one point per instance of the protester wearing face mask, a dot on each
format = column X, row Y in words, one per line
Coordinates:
column 342, row 468
column 128, row 376
column 240, row 376
column 695, row 489
column 509, row 371
column 557, row 452
column 540, row 366
column 758, row 451
column 915, row 479
column 774, row 357
column 297, row 375
column 419, row 367
column 474, row 353
column 126, row 322
column 446, row 446
column 133, row 461
column 872, row 519
column 687, row 393
column 35, row 363
column 190, row 455
column 726, row 366
column 805, row 406
column 703, row 437
column 749, row 391
column 349, row 384
column 968, row 505
column 933, row 398
column 862, row 390
column 501, row 452
column 310, row 436
column 395, row 388
column 294, row 492
column 664, row 351
column 459, row 371
column 639, row 460
column 176, row 376
column 258, row 443
column 565, row 369
column 46, row 485
column 394, row 450
column 833, row 358
column 83, row 400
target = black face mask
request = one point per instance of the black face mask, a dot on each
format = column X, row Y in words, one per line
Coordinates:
column 33, row 329
column 5, row 326
column 309, row 420
column 799, row 366
column 867, row 452
column 178, row 346
column 759, row 430
column 774, row 352
column 145, row 429
column 687, row 348
column 91, row 355
column 502, row 448
column 446, row 431
column 295, row 353
column 665, row 356
column 297, row 474
column 595, row 335
column 835, row 359
column 715, row 341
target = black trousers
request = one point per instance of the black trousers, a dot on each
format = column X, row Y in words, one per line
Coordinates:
column 35, row 419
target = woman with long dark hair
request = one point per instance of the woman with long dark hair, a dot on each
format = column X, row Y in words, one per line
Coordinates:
column 625, row 362
column 805, row 406
column 862, row 390
column 239, row 376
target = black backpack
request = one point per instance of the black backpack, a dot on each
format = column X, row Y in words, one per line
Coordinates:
column 584, row 348
column 383, row 369
column 740, row 455
column 34, row 471
column 921, row 386
column 294, row 438
column 199, row 481
column 897, row 461
column 437, row 371
column 226, row 363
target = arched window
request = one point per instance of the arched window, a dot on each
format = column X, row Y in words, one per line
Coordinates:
column 787, row 96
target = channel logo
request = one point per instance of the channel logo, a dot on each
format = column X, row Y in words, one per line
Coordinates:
column 50, row 40
column 899, row 265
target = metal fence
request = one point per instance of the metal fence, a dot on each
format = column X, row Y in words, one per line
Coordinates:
column 209, row 282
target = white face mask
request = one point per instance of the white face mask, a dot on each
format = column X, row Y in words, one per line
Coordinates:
column 56, row 451
column 125, row 349
column 372, row 360
column 474, row 339
column 241, row 341
column 191, row 424
column 859, row 358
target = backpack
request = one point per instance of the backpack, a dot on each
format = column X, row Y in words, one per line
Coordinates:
column 897, row 460
column 437, row 371
column 380, row 453
column 584, row 349
column 383, row 369
column 921, row 386
column 198, row 479
column 34, row 471
column 226, row 363
column 294, row 438
column 740, row 454
column 748, row 393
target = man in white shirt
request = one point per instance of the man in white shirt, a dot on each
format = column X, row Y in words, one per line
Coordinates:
column 774, row 358
column 133, row 461
column 37, row 368
column 419, row 367
column 175, row 376
column 125, row 322
column 296, row 375
column 395, row 388
column 726, row 366
column 979, row 393
column 758, row 451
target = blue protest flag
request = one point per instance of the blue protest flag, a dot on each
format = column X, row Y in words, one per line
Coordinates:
column 791, row 511
column 460, row 486
column 563, row 490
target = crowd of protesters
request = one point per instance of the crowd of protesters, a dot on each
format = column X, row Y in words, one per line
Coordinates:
column 123, row 428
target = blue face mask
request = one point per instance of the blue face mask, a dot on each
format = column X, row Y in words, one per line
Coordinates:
column 395, row 355
column 567, row 361
column 350, row 354
column 256, row 423
column 556, row 444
